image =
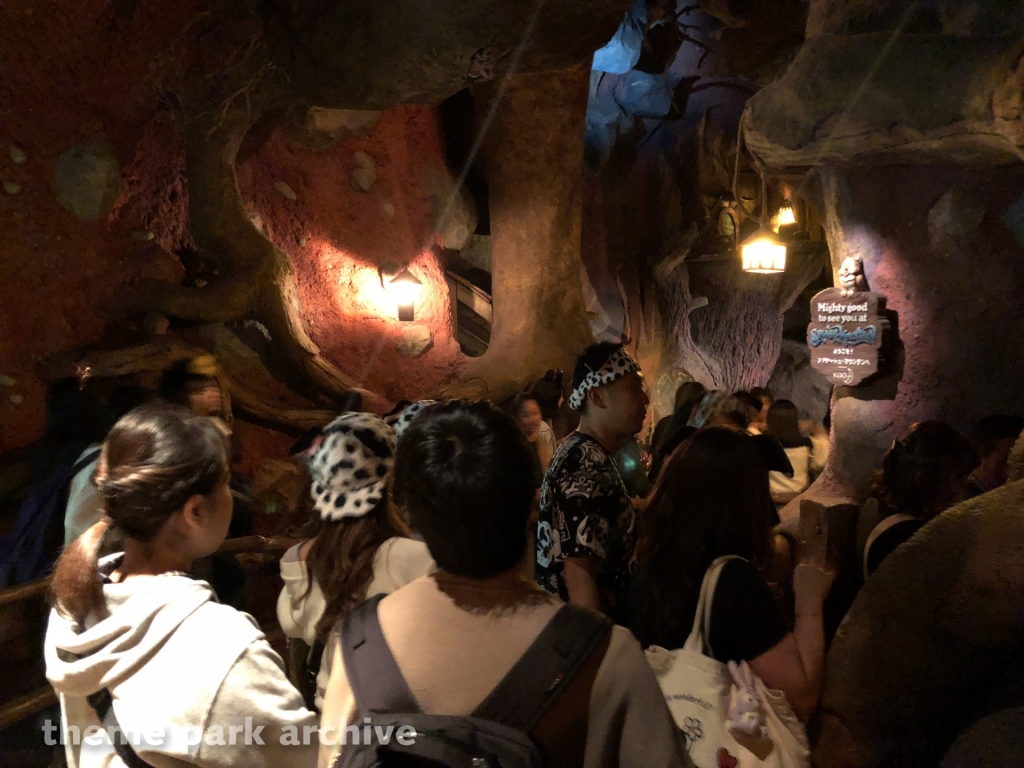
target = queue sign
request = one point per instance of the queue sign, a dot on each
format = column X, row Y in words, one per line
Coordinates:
column 845, row 335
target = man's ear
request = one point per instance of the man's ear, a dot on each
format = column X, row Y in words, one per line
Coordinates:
column 596, row 396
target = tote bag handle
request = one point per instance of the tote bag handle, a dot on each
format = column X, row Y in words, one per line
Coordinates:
column 699, row 639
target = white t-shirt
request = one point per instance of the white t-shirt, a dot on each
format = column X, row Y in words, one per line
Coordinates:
column 546, row 444
column 398, row 561
column 806, row 461
column 85, row 504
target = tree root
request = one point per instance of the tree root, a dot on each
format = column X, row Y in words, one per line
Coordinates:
column 157, row 356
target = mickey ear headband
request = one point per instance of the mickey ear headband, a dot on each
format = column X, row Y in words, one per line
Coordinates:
column 352, row 466
column 619, row 364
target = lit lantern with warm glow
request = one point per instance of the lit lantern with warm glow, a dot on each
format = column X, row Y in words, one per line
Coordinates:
column 764, row 253
column 405, row 287
column 785, row 216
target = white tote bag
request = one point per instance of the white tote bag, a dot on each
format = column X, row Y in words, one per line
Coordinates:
column 728, row 716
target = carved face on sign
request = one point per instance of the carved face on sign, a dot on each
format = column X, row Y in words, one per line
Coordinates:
column 851, row 275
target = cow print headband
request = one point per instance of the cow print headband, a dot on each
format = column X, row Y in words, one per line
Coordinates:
column 352, row 466
column 406, row 417
column 618, row 365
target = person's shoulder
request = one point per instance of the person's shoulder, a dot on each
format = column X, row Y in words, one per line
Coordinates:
column 625, row 663
column 405, row 559
column 293, row 564
column 581, row 453
column 231, row 621
column 740, row 581
column 403, row 545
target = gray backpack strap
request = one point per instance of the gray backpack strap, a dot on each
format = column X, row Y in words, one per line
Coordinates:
column 373, row 674
column 102, row 704
column 529, row 689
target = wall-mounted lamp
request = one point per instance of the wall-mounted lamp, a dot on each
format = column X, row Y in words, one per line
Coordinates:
column 405, row 287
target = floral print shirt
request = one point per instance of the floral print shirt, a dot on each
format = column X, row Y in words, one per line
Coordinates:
column 585, row 511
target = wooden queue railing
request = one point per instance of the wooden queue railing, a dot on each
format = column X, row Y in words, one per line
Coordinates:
column 251, row 550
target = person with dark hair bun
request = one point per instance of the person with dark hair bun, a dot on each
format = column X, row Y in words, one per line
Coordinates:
column 132, row 638
column 923, row 474
column 586, row 531
column 467, row 477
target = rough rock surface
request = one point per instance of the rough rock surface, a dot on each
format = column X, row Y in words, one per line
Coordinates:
column 414, row 340
column 533, row 153
column 87, row 179
column 933, row 641
column 860, row 98
column 794, row 379
column 453, row 217
column 322, row 128
column 954, row 315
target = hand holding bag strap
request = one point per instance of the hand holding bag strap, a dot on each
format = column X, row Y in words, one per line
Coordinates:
column 699, row 639
column 373, row 674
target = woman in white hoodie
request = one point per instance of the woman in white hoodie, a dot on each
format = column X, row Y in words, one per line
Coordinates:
column 134, row 641
column 362, row 547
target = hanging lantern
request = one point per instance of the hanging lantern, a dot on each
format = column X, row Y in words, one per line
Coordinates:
column 785, row 216
column 764, row 253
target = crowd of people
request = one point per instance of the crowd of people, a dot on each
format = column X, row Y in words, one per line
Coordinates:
column 463, row 563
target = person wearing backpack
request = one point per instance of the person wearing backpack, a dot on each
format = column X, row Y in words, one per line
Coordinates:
column 136, row 644
column 484, row 666
column 362, row 547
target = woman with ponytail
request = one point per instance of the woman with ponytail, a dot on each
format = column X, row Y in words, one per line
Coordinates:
column 135, row 642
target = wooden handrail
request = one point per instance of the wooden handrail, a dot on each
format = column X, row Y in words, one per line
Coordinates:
column 24, row 591
column 254, row 549
column 28, row 705
column 265, row 545
column 261, row 544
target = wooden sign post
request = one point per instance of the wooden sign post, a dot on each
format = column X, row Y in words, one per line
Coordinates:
column 845, row 335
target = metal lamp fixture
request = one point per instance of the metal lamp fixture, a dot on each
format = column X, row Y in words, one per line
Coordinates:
column 405, row 287
column 764, row 252
column 784, row 217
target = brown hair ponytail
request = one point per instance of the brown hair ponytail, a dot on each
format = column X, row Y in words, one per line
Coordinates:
column 152, row 462
column 76, row 589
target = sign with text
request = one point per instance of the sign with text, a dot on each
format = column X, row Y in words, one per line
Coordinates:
column 845, row 335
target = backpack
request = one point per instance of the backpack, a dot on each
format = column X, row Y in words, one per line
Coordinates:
column 30, row 550
column 536, row 716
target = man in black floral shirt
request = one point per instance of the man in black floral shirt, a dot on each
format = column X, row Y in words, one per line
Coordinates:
column 587, row 527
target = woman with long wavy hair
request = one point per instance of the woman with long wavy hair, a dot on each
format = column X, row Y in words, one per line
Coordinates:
column 361, row 546
column 136, row 642
column 712, row 501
